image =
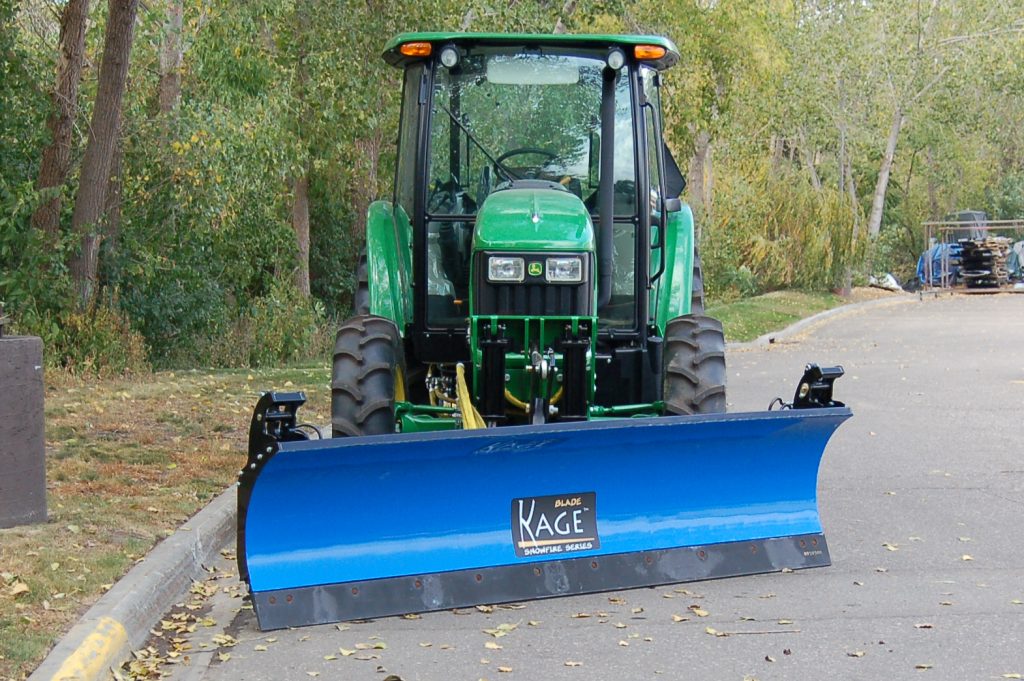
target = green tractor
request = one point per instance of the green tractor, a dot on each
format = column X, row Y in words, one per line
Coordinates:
column 529, row 401
column 536, row 238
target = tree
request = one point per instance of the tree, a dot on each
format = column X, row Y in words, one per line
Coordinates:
column 56, row 162
column 99, row 151
column 171, row 57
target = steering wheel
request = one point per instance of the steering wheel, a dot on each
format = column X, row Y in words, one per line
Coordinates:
column 500, row 161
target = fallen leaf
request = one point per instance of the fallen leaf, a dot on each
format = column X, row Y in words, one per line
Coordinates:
column 485, row 608
column 504, row 669
column 966, row 557
column 580, row 615
column 342, row 627
column 769, row 658
column 715, row 632
column 380, row 645
column 856, row 653
column 624, row 643
column 963, row 539
column 637, row 611
column 881, row 569
column 698, row 611
column 891, row 547
column 945, row 602
column 858, row 583
column 785, row 621
column 314, row 674
column 512, row 606
column 786, row 570
column 447, row 646
column 259, row 648
column 923, row 625
column 19, row 588
column 616, row 600
column 533, row 623
column 620, row 625
column 346, row 652
column 491, row 645
column 223, row 657
column 787, row 651
column 923, row 666
column 411, row 616
column 1017, row 601
column 680, row 618
column 426, row 645
column 1013, row 675
column 573, row 663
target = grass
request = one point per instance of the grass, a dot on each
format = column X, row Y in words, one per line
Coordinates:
column 127, row 461
column 747, row 319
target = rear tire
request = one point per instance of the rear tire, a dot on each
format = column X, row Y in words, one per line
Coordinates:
column 694, row 366
column 367, row 368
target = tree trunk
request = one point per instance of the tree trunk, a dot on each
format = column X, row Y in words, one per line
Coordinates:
column 170, row 58
column 808, row 155
column 95, row 175
column 567, row 9
column 933, row 189
column 56, row 161
column 697, row 175
column 112, row 204
column 878, row 200
column 851, row 192
column 300, row 223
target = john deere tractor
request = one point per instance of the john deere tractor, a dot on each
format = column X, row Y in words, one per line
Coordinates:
column 537, row 263
column 527, row 402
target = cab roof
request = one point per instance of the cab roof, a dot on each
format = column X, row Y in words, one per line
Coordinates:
column 395, row 58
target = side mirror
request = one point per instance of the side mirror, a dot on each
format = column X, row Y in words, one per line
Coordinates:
column 673, row 205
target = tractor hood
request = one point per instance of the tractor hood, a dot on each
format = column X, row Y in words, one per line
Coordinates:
column 533, row 215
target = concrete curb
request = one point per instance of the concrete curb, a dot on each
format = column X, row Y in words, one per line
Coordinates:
column 802, row 325
column 120, row 620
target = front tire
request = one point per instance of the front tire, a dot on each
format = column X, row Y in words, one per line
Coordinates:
column 694, row 366
column 365, row 377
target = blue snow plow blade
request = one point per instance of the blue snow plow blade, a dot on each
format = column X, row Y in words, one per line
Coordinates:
column 353, row 528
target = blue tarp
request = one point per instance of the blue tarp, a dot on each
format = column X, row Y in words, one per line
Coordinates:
column 935, row 255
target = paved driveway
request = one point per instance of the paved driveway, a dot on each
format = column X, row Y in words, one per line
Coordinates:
column 922, row 499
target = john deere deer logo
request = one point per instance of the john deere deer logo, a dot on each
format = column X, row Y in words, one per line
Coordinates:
column 535, row 269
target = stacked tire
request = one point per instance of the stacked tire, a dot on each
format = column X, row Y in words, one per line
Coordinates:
column 977, row 265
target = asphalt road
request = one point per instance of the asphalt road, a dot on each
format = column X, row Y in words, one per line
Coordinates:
column 922, row 500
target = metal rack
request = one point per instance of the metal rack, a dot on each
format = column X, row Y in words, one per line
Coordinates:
column 950, row 232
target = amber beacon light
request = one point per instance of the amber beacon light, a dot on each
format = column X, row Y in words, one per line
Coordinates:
column 417, row 49
column 648, row 51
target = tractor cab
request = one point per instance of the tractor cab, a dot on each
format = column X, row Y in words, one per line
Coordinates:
column 533, row 182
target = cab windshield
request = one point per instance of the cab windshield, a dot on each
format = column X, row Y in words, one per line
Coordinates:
column 500, row 116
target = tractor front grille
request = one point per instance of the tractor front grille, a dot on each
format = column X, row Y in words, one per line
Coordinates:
column 533, row 297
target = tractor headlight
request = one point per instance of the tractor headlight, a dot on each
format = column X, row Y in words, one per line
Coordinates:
column 503, row 269
column 564, row 270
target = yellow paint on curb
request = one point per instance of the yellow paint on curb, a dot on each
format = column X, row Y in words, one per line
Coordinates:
column 96, row 654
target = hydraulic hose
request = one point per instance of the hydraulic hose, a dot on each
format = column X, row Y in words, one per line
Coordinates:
column 471, row 418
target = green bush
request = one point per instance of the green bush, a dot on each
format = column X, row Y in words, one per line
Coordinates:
column 278, row 328
column 772, row 230
column 99, row 341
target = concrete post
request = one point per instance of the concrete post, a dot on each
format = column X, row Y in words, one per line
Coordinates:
column 22, row 453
